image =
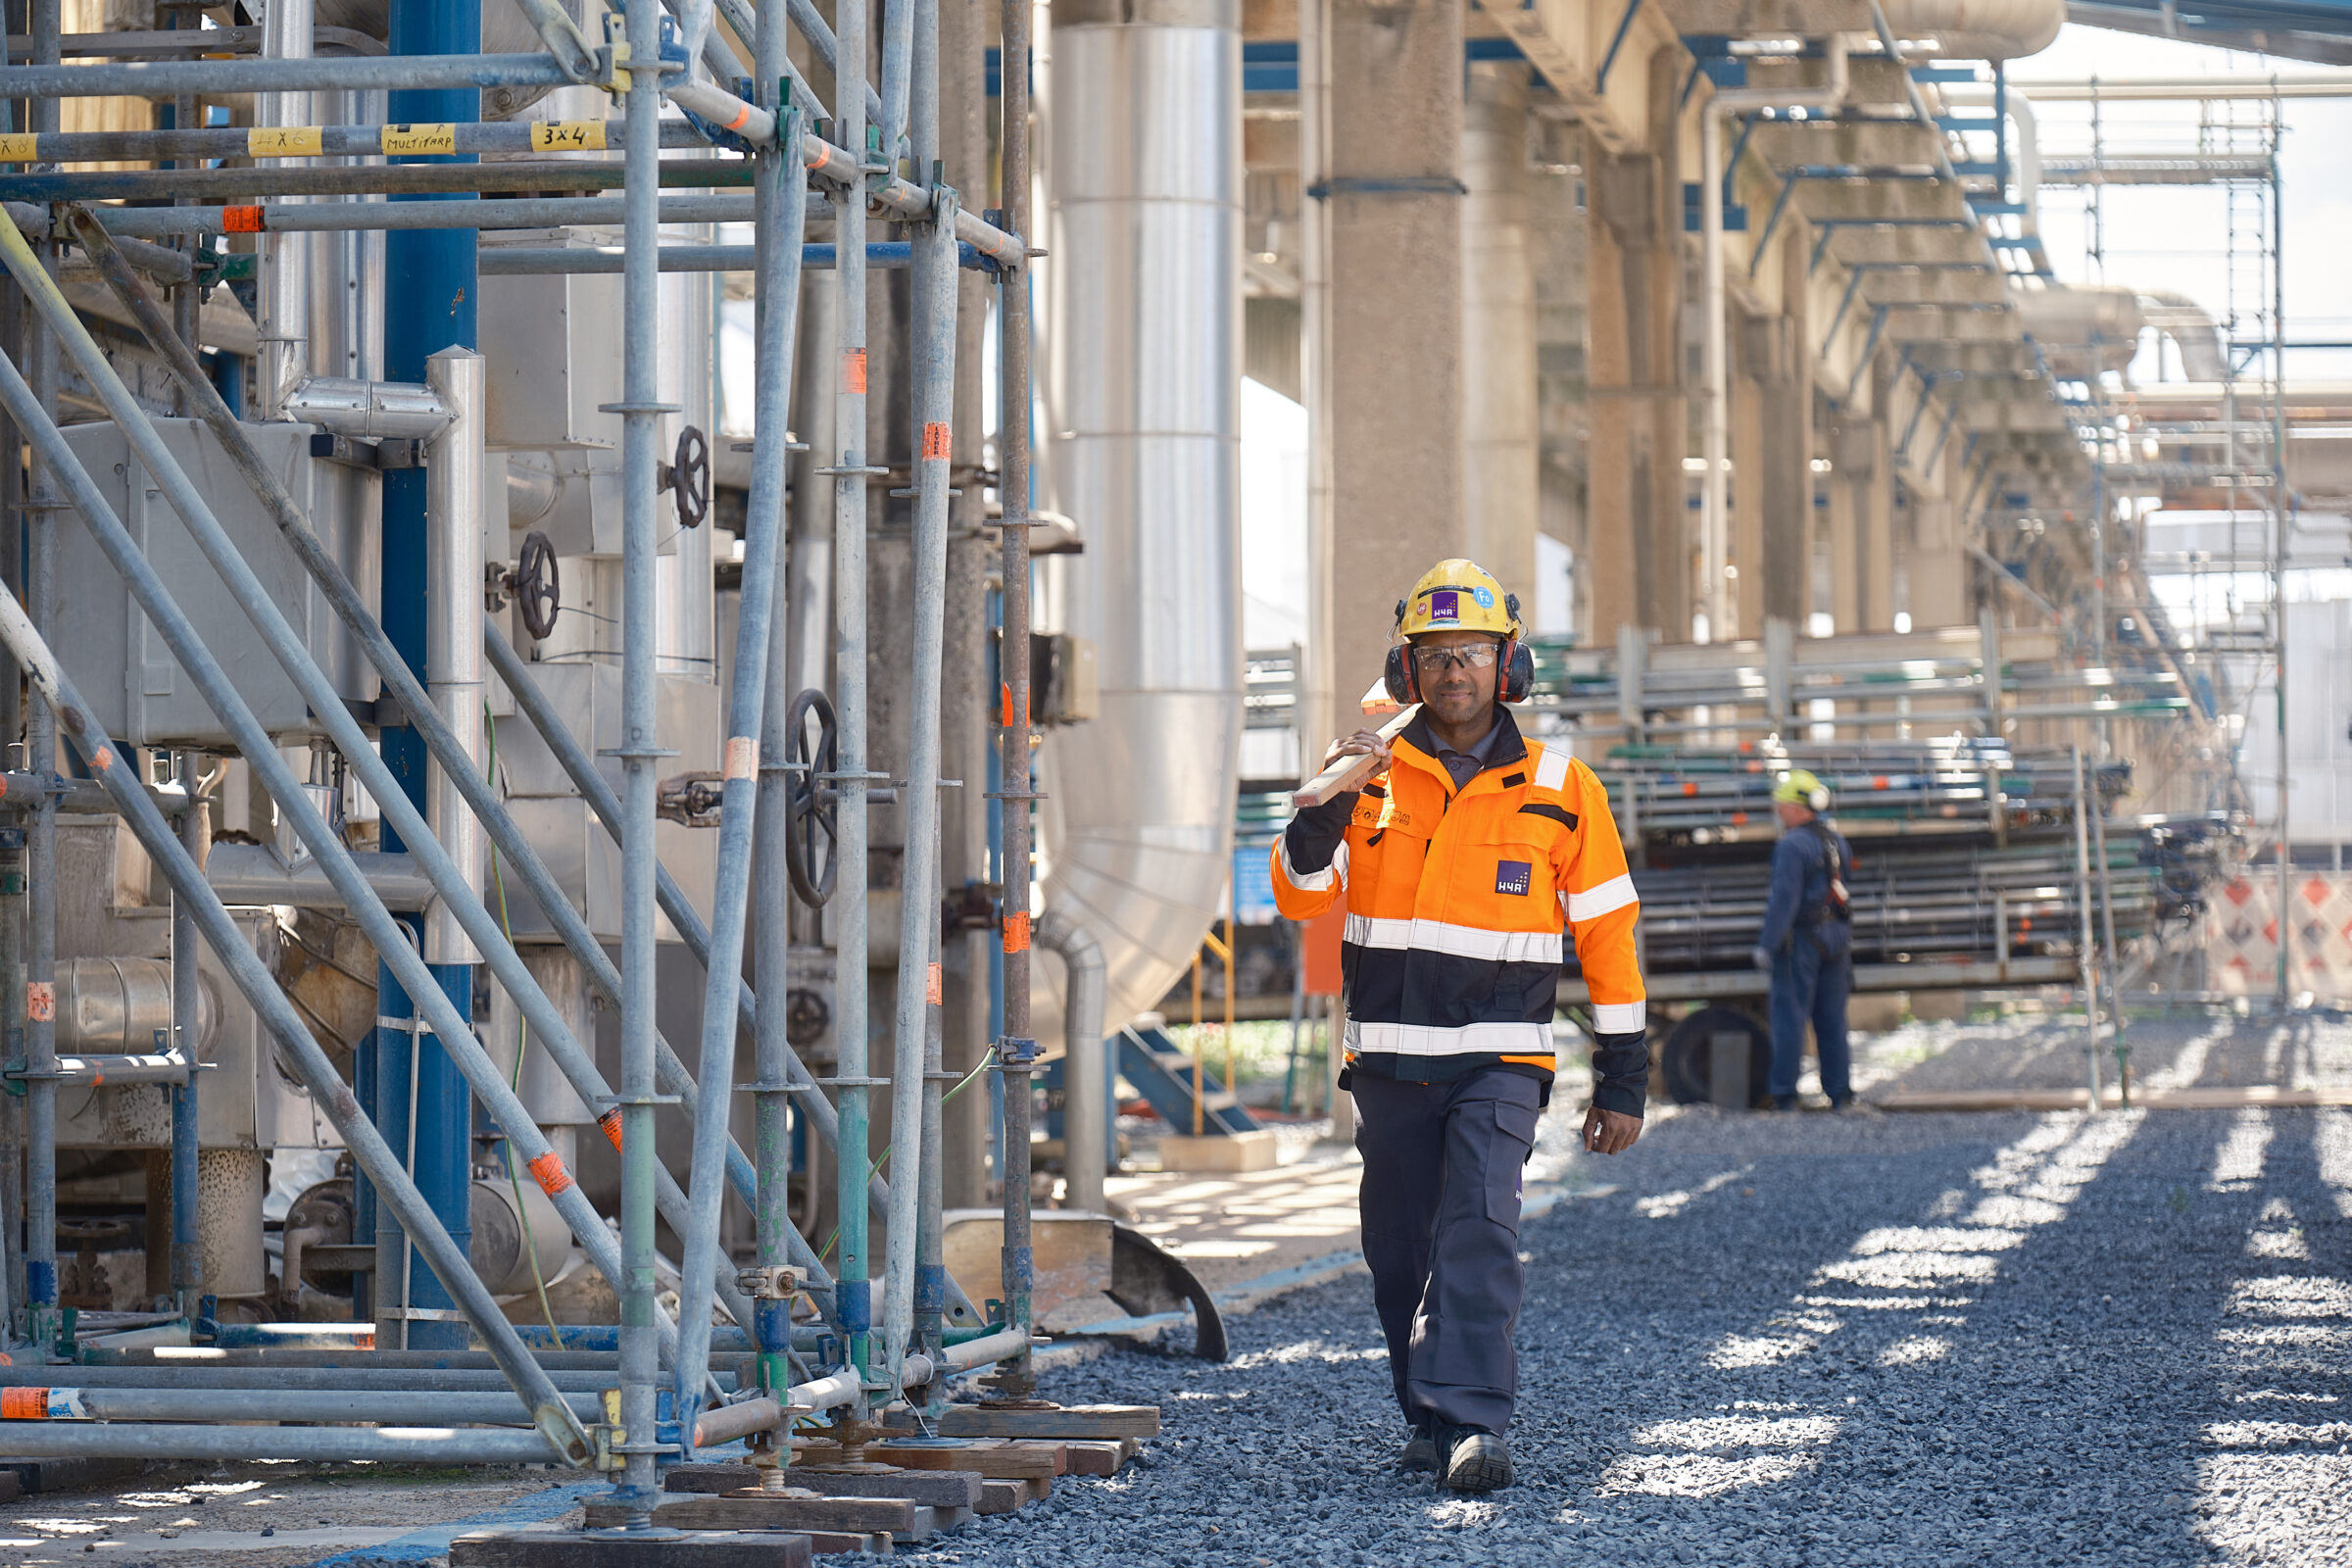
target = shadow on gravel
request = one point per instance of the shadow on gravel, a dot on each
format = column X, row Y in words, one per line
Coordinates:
column 2001, row 1339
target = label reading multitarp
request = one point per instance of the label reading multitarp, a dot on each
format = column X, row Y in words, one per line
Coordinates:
column 419, row 140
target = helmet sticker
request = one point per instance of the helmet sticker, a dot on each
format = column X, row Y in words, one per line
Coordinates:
column 1446, row 603
column 1485, row 596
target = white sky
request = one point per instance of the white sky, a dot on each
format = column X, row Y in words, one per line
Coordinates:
column 2172, row 237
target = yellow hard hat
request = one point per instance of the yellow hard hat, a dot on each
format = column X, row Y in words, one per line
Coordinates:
column 1797, row 787
column 1458, row 596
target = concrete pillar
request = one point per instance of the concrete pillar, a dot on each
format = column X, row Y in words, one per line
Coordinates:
column 1754, row 366
column 1861, row 527
column 1777, row 349
column 1500, row 496
column 1639, row 531
column 1393, row 341
column 1937, row 567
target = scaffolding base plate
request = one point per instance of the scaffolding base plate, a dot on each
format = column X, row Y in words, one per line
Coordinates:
column 616, row 1548
column 933, row 1488
column 802, row 1510
column 1087, row 1421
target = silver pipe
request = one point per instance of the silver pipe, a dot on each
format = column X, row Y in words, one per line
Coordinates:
column 771, row 932
column 90, row 1071
column 640, row 751
column 779, row 285
column 372, row 410
column 564, row 39
column 219, row 79
column 391, row 1407
column 285, row 278
column 523, row 212
column 919, row 979
column 69, row 1440
column 767, row 1413
column 1001, row 1346
column 42, row 1321
column 453, row 654
column 254, row 874
column 2089, row 972
column 1085, row 1070
column 295, row 1045
column 198, row 1374
column 853, row 1285
column 187, row 1039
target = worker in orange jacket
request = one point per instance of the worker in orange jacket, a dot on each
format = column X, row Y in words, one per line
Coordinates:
column 1462, row 859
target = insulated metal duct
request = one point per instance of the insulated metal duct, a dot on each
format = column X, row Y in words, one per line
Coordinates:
column 2081, row 331
column 1146, row 336
column 1979, row 29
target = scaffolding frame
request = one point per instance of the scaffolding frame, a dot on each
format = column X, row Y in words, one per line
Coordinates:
column 884, row 137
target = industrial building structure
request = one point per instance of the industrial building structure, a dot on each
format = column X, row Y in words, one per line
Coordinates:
column 474, row 721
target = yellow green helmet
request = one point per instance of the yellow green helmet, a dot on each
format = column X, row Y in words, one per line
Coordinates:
column 1458, row 596
column 1798, row 787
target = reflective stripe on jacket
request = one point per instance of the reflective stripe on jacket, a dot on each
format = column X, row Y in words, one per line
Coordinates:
column 1456, row 903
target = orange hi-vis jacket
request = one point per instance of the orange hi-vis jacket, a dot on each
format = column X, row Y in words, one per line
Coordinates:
column 1456, row 903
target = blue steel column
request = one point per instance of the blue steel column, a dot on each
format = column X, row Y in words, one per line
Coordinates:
column 429, row 294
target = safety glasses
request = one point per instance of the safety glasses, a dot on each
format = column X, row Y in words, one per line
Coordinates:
column 1437, row 661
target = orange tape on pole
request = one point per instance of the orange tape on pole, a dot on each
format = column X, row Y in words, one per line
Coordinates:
column 935, row 987
column 242, row 221
column 549, row 1172
column 937, row 441
column 609, row 1121
column 1016, row 931
column 23, row 1404
column 40, row 1001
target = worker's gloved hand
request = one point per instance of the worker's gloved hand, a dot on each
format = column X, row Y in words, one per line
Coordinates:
column 1760, row 956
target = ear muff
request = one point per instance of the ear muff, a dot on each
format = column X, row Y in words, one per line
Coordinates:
column 1517, row 677
column 1819, row 800
column 1398, row 674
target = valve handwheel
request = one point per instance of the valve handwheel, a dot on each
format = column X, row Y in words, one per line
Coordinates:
column 812, row 816
column 538, row 586
column 690, row 478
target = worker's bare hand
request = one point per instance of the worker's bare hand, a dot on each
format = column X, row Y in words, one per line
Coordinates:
column 1363, row 743
column 1610, row 1132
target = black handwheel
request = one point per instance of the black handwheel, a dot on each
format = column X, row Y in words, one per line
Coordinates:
column 538, row 586
column 810, row 830
column 690, row 478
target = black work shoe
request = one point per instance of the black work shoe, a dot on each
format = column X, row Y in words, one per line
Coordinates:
column 1476, row 1461
column 1841, row 1102
column 1420, row 1455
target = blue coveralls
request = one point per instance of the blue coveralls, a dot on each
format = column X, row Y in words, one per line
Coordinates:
column 1806, row 984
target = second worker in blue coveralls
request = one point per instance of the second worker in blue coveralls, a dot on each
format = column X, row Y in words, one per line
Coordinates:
column 1807, row 942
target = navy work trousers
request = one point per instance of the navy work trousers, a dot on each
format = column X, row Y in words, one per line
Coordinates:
column 1808, row 987
column 1441, row 1218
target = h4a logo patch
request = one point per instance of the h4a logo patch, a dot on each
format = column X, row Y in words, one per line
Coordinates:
column 1513, row 876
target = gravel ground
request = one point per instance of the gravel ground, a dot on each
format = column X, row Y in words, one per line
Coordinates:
column 1810, row 1339
column 2001, row 1337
